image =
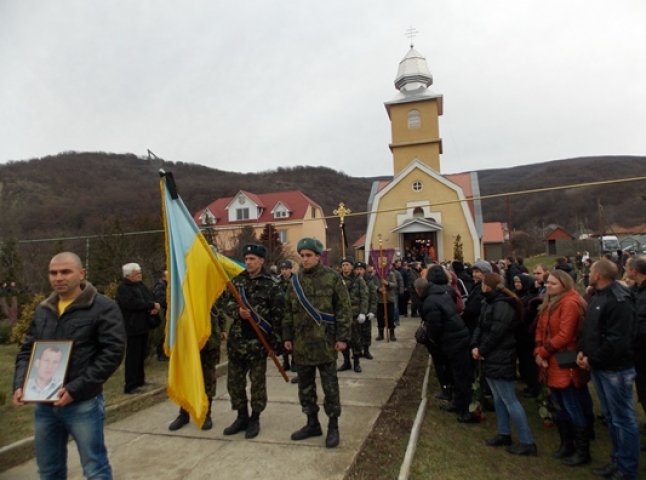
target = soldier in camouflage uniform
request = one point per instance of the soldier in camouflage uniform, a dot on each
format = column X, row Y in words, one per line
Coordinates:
column 315, row 342
column 286, row 285
column 359, row 300
column 365, row 330
column 246, row 353
column 209, row 357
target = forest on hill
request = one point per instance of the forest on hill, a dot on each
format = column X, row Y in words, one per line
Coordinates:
column 103, row 194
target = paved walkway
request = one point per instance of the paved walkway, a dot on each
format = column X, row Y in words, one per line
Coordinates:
column 142, row 447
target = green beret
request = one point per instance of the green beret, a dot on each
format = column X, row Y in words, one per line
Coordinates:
column 360, row 265
column 254, row 249
column 349, row 260
column 309, row 243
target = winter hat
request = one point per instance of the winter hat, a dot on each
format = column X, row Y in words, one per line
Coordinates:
column 437, row 275
column 483, row 266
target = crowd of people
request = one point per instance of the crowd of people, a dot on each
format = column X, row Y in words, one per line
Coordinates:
column 541, row 328
column 489, row 323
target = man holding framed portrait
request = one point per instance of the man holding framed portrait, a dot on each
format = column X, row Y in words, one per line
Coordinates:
column 46, row 371
column 87, row 329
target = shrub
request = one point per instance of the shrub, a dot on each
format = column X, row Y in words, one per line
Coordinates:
column 26, row 314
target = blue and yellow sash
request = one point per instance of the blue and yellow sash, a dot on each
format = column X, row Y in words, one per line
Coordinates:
column 263, row 324
column 316, row 315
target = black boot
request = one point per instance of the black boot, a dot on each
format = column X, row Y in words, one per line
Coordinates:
column 239, row 424
column 253, row 427
column 591, row 434
column 332, row 438
column 526, row 449
column 581, row 454
column 366, row 354
column 566, row 432
column 393, row 338
column 286, row 365
column 346, row 362
column 208, row 423
column 445, row 393
column 181, row 420
column 311, row 429
column 499, row 440
column 357, row 367
column 380, row 335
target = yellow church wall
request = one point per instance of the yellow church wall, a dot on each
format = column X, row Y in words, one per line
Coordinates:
column 452, row 220
column 428, row 153
column 429, row 116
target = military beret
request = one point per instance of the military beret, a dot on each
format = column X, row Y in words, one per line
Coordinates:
column 254, row 249
column 309, row 243
column 285, row 264
column 360, row 265
column 349, row 260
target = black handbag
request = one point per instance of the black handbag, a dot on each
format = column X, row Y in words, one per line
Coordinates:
column 421, row 335
column 566, row 359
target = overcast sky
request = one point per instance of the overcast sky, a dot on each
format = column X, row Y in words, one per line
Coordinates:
column 254, row 85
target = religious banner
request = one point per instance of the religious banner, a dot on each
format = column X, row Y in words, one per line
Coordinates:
column 382, row 259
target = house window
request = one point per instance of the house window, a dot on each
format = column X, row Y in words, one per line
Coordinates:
column 282, row 236
column 313, row 212
column 417, row 186
column 414, row 120
column 418, row 212
column 280, row 214
column 242, row 214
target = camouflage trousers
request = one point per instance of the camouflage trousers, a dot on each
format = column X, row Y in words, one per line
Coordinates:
column 355, row 336
column 365, row 333
column 209, row 359
column 239, row 367
column 307, row 389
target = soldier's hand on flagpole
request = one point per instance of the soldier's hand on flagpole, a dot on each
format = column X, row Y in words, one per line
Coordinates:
column 287, row 344
column 340, row 346
column 244, row 313
column 223, row 336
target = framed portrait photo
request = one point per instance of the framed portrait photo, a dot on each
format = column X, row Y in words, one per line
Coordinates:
column 47, row 369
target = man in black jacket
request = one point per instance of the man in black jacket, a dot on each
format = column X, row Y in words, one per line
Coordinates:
column 448, row 338
column 636, row 271
column 74, row 311
column 137, row 305
column 606, row 349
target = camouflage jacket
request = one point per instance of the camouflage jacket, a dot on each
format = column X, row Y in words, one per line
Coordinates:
column 265, row 297
column 285, row 286
column 358, row 291
column 313, row 344
column 372, row 281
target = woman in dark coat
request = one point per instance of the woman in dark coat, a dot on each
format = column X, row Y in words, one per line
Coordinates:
column 448, row 339
column 494, row 342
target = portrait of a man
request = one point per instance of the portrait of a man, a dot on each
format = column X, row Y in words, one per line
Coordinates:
column 47, row 371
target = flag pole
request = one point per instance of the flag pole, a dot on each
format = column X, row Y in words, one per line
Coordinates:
column 341, row 211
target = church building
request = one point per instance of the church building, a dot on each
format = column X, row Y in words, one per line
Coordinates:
column 420, row 211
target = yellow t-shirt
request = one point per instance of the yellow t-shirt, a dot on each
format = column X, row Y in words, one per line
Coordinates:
column 62, row 305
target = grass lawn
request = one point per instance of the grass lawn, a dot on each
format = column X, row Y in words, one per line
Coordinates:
column 449, row 450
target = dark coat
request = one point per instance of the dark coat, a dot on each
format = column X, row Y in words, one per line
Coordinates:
column 444, row 326
column 609, row 329
column 136, row 302
column 95, row 325
column 640, row 308
column 473, row 307
column 494, row 336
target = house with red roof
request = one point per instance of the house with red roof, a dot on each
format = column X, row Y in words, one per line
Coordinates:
column 293, row 214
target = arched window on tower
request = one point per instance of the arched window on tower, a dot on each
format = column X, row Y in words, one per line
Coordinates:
column 418, row 212
column 414, row 120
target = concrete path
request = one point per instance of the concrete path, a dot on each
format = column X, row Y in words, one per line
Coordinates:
column 142, row 447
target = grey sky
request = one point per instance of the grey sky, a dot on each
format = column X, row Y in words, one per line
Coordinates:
column 249, row 86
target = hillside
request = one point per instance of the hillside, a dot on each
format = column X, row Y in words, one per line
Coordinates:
column 87, row 193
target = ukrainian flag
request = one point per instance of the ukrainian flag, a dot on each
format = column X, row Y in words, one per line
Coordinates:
column 196, row 280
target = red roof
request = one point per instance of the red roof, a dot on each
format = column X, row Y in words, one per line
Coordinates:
column 295, row 201
column 493, row 232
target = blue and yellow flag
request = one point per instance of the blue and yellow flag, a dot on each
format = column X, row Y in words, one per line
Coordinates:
column 196, row 280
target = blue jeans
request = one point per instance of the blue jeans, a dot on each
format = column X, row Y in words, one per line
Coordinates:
column 570, row 401
column 507, row 405
column 84, row 422
column 615, row 391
